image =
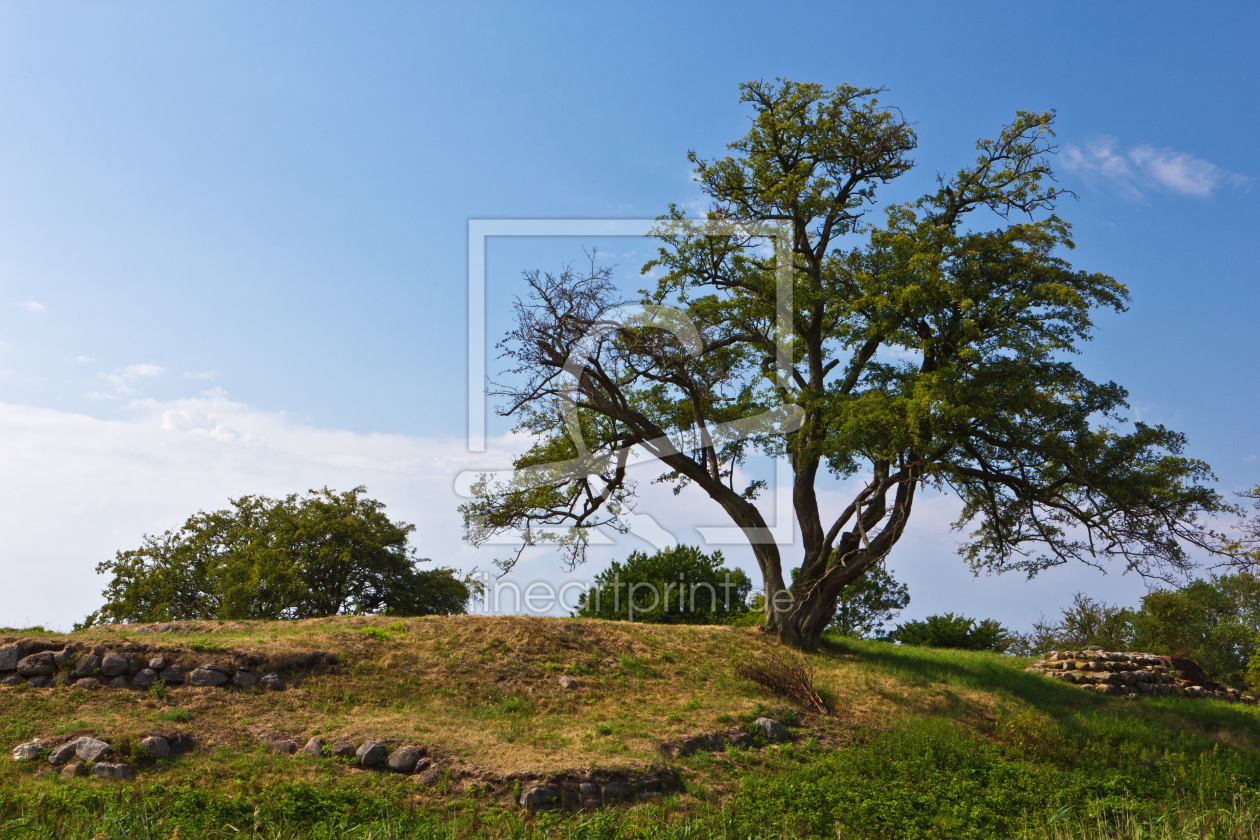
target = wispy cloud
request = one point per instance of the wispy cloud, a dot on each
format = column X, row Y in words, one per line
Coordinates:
column 204, row 375
column 83, row 359
column 29, row 305
column 1143, row 169
column 1249, row 459
column 122, row 380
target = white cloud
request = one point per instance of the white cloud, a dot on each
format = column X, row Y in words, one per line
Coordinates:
column 1144, row 169
column 30, row 305
column 83, row 359
column 1249, row 459
column 122, row 380
column 203, row 375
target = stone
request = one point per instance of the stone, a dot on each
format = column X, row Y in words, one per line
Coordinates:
column 39, row 682
column 123, row 771
column 430, row 776
column 403, row 759
column 73, row 770
column 158, row 663
column 244, row 679
column 120, row 682
column 772, row 730
column 421, row 765
column 63, row 753
column 181, row 743
column 287, row 746
column 167, row 628
column 62, row 658
column 743, row 739
column 207, row 677
column 586, row 790
column 27, row 752
column 173, row 674
column 86, row 665
column 314, row 748
column 102, row 771
column 155, row 746
column 9, row 656
column 617, row 790
column 568, row 682
column 135, row 666
column 590, row 804
column 210, row 666
column 342, row 748
column 114, row 664
column 91, row 749
column 144, row 678
column 649, row 795
column 370, row 753
column 688, row 746
column 13, row 679
column 650, row 784
column 272, row 682
column 534, row 797
column 37, row 665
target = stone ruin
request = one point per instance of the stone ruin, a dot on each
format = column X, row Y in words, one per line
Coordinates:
column 1134, row 674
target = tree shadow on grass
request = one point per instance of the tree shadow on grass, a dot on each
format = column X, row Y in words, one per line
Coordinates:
column 1081, row 714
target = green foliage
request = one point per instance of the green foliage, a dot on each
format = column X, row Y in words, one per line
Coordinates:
column 1214, row 622
column 175, row 715
column 869, row 603
column 679, row 585
column 1087, row 622
column 299, row 557
column 158, row 690
column 953, row 631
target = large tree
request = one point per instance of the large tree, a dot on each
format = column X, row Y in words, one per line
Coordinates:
column 932, row 348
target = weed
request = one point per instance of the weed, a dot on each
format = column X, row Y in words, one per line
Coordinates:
column 158, row 690
column 203, row 646
column 77, row 726
column 175, row 715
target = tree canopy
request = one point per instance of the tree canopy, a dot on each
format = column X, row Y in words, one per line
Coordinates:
column 928, row 348
column 678, row 585
column 322, row 554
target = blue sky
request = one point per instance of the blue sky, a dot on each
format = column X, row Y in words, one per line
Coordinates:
column 233, row 236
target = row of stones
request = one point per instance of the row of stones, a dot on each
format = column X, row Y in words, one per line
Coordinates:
column 406, row 759
column 87, row 756
column 591, row 795
column 772, row 731
column 1115, row 673
column 117, row 671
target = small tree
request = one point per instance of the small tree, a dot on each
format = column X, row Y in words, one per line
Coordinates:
column 323, row 554
column 1087, row 622
column 679, row 585
column 866, row 606
column 1214, row 622
column 953, row 631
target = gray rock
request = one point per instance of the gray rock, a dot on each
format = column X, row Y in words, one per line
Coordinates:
column 62, row 657
column 121, row 681
column 689, row 746
column 155, row 746
column 63, row 753
column 210, row 666
column 207, row 677
column 590, row 804
column 74, row 769
column 536, row 796
column 91, row 749
column 288, row 746
column 39, row 682
column 772, row 730
column 650, row 784
column 27, row 752
column 587, row 790
column 145, row 678
column 649, row 795
column 430, row 776
column 9, row 656
column 272, row 682
column 123, row 771
column 103, row 770
column 115, row 664
column 341, row 748
column 181, row 743
column 617, row 790
column 158, row 663
column 568, row 682
column 244, row 679
column 86, row 665
column 370, row 753
column 167, row 628
column 13, row 679
column 173, row 674
column 743, row 739
column 37, row 665
column 421, row 765
column 314, row 748
column 403, row 759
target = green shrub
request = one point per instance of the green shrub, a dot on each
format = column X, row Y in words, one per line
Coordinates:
column 679, row 585
column 953, row 631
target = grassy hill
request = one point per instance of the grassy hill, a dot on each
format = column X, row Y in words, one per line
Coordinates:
column 918, row 742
